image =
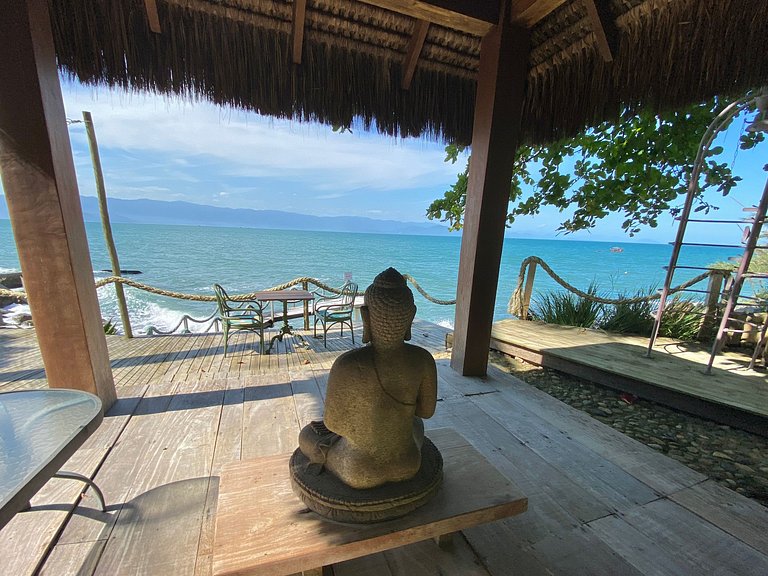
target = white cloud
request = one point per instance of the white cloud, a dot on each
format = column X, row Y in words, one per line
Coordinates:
column 246, row 145
column 329, row 196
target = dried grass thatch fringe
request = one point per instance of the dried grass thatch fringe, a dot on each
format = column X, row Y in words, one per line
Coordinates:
column 242, row 59
column 669, row 54
column 238, row 53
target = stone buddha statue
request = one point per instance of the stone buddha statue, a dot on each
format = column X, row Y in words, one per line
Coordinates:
column 372, row 437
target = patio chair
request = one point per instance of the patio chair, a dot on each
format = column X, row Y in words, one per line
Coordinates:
column 240, row 315
column 336, row 309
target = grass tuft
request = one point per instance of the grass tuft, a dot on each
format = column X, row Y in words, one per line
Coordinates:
column 630, row 317
column 567, row 309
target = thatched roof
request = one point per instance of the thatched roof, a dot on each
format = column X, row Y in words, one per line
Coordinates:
column 353, row 56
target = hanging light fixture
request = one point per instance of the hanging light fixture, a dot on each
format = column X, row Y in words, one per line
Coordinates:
column 760, row 123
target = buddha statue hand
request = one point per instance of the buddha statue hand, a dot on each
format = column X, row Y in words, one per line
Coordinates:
column 315, row 440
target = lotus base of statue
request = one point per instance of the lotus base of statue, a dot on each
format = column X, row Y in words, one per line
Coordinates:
column 325, row 494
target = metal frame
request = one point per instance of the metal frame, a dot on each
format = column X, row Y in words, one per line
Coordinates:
column 720, row 122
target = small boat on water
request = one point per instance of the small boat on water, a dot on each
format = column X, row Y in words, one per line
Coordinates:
column 617, row 249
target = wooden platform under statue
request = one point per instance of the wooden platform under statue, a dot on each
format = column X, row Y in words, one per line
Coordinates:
column 263, row 528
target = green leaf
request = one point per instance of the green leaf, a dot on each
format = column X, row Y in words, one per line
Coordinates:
column 637, row 167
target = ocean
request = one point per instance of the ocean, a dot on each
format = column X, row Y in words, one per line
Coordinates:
column 190, row 259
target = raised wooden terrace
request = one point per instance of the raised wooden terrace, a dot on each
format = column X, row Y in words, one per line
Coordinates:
column 674, row 374
column 599, row 502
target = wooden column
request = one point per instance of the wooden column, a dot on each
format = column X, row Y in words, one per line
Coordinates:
column 498, row 111
column 44, row 205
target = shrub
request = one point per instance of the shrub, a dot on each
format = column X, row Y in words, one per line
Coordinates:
column 682, row 319
column 567, row 309
column 629, row 317
column 682, row 316
column 110, row 328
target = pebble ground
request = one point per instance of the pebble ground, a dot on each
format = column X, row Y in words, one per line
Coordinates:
column 732, row 457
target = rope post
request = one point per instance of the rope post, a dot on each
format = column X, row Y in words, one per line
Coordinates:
column 100, row 190
column 305, row 287
column 714, row 290
column 528, row 291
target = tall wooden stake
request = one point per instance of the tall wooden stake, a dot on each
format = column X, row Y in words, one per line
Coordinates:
column 496, row 133
column 106, row 226
column 44, row 204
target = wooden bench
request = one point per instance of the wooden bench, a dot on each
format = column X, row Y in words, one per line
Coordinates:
column 263, row 528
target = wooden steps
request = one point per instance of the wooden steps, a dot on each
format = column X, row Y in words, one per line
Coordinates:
column 674, row 375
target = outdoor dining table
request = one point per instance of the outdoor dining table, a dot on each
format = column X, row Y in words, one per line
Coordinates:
column 286, row 297
column 39, row 431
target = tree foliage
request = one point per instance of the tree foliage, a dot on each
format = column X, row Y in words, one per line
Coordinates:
column 637, row 166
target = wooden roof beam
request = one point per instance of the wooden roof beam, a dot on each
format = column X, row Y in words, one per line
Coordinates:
column 528, row 12
column 299, row 15
column 470, row 16
column 152, row 17
column 603, row 27
column 415, row 44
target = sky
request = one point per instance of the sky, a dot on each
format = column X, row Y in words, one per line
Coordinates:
column 170, row 149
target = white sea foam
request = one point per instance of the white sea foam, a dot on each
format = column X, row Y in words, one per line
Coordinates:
column 145, row 312
column 16, row 315
column 445, row 323
column 8, row 270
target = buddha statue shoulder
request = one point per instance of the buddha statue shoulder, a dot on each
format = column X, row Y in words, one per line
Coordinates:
column 377, row 396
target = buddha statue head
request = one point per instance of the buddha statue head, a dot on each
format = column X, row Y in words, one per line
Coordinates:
column 388, row 310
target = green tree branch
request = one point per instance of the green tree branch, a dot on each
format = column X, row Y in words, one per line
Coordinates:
column 637, row 167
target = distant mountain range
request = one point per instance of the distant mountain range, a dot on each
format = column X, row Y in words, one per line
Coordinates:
column 187, row 213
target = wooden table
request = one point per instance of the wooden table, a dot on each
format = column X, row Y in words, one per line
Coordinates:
column 263, row 528
column 284, row 296
column 39, row 431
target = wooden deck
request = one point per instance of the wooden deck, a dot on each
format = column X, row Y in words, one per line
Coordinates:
column 599, row 502
column 674, row 375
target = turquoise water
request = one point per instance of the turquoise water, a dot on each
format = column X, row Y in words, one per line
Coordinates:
column 191, row 259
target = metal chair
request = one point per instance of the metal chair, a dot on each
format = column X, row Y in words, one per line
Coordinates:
column 336, row 309
column 240, row 315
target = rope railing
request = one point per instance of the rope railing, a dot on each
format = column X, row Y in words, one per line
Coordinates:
column 423, row 292
column 21, row 295
column 520, row 300
column 206, row 298
column 186, row 320
column 518, row 303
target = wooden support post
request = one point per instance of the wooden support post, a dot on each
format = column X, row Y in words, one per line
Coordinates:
column 152, row 17
column 413, row 51
column 498, row 111
column 44, row 205
column 528, row 290
column 297, row 37
column 714, row 291
column 603, row 28
column 106, row 226
column 305, row 286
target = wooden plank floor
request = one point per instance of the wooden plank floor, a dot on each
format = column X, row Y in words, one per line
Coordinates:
column 674, row 375
column 599, row 502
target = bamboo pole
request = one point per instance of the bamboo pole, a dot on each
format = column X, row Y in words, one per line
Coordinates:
column 714, row 291
column 102, row 194
column 528, row 290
